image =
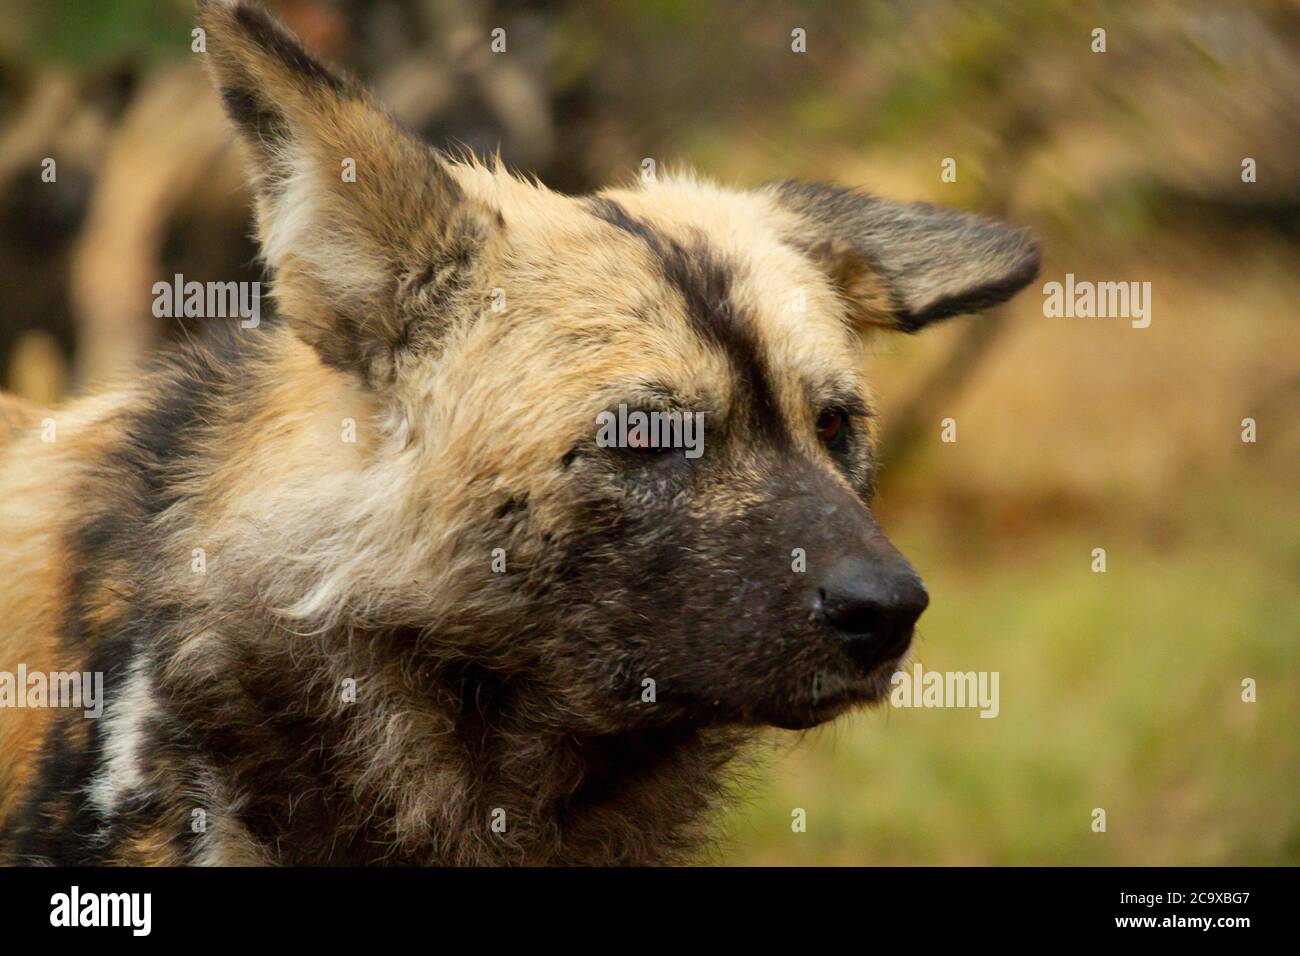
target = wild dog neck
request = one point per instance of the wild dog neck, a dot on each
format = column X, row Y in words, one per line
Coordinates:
column 447, row 765
column 504, row 782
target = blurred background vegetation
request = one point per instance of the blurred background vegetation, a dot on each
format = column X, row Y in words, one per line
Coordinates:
column 1119, row 690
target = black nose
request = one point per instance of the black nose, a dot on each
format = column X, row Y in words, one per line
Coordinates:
column 873, row 604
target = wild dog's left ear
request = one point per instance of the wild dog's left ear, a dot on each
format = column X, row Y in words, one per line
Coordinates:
column 371, row 239
column 904, row 265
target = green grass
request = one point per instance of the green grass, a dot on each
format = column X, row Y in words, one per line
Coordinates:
column 1119, row 690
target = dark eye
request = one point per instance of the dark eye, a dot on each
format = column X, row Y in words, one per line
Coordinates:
column 833, row 428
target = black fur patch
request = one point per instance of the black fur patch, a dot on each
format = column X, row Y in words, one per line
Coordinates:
column 704, row 282
column 258, row 121
column 984, row 296
column 113, row 551
column 274, row 40
column 257, row 116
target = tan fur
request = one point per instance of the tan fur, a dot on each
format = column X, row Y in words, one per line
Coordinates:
column 38, row 486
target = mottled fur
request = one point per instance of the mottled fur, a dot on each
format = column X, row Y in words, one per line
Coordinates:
column 481, row 696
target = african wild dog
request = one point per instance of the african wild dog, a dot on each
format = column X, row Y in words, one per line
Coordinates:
column 517, row 695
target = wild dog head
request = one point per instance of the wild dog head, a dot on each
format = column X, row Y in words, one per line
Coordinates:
column 497, row 326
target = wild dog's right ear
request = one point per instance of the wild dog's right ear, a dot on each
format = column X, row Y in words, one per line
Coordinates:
column 905, row 265
column 371, row 239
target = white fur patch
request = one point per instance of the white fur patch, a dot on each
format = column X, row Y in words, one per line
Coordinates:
column 302, row 222
column 122, row 731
